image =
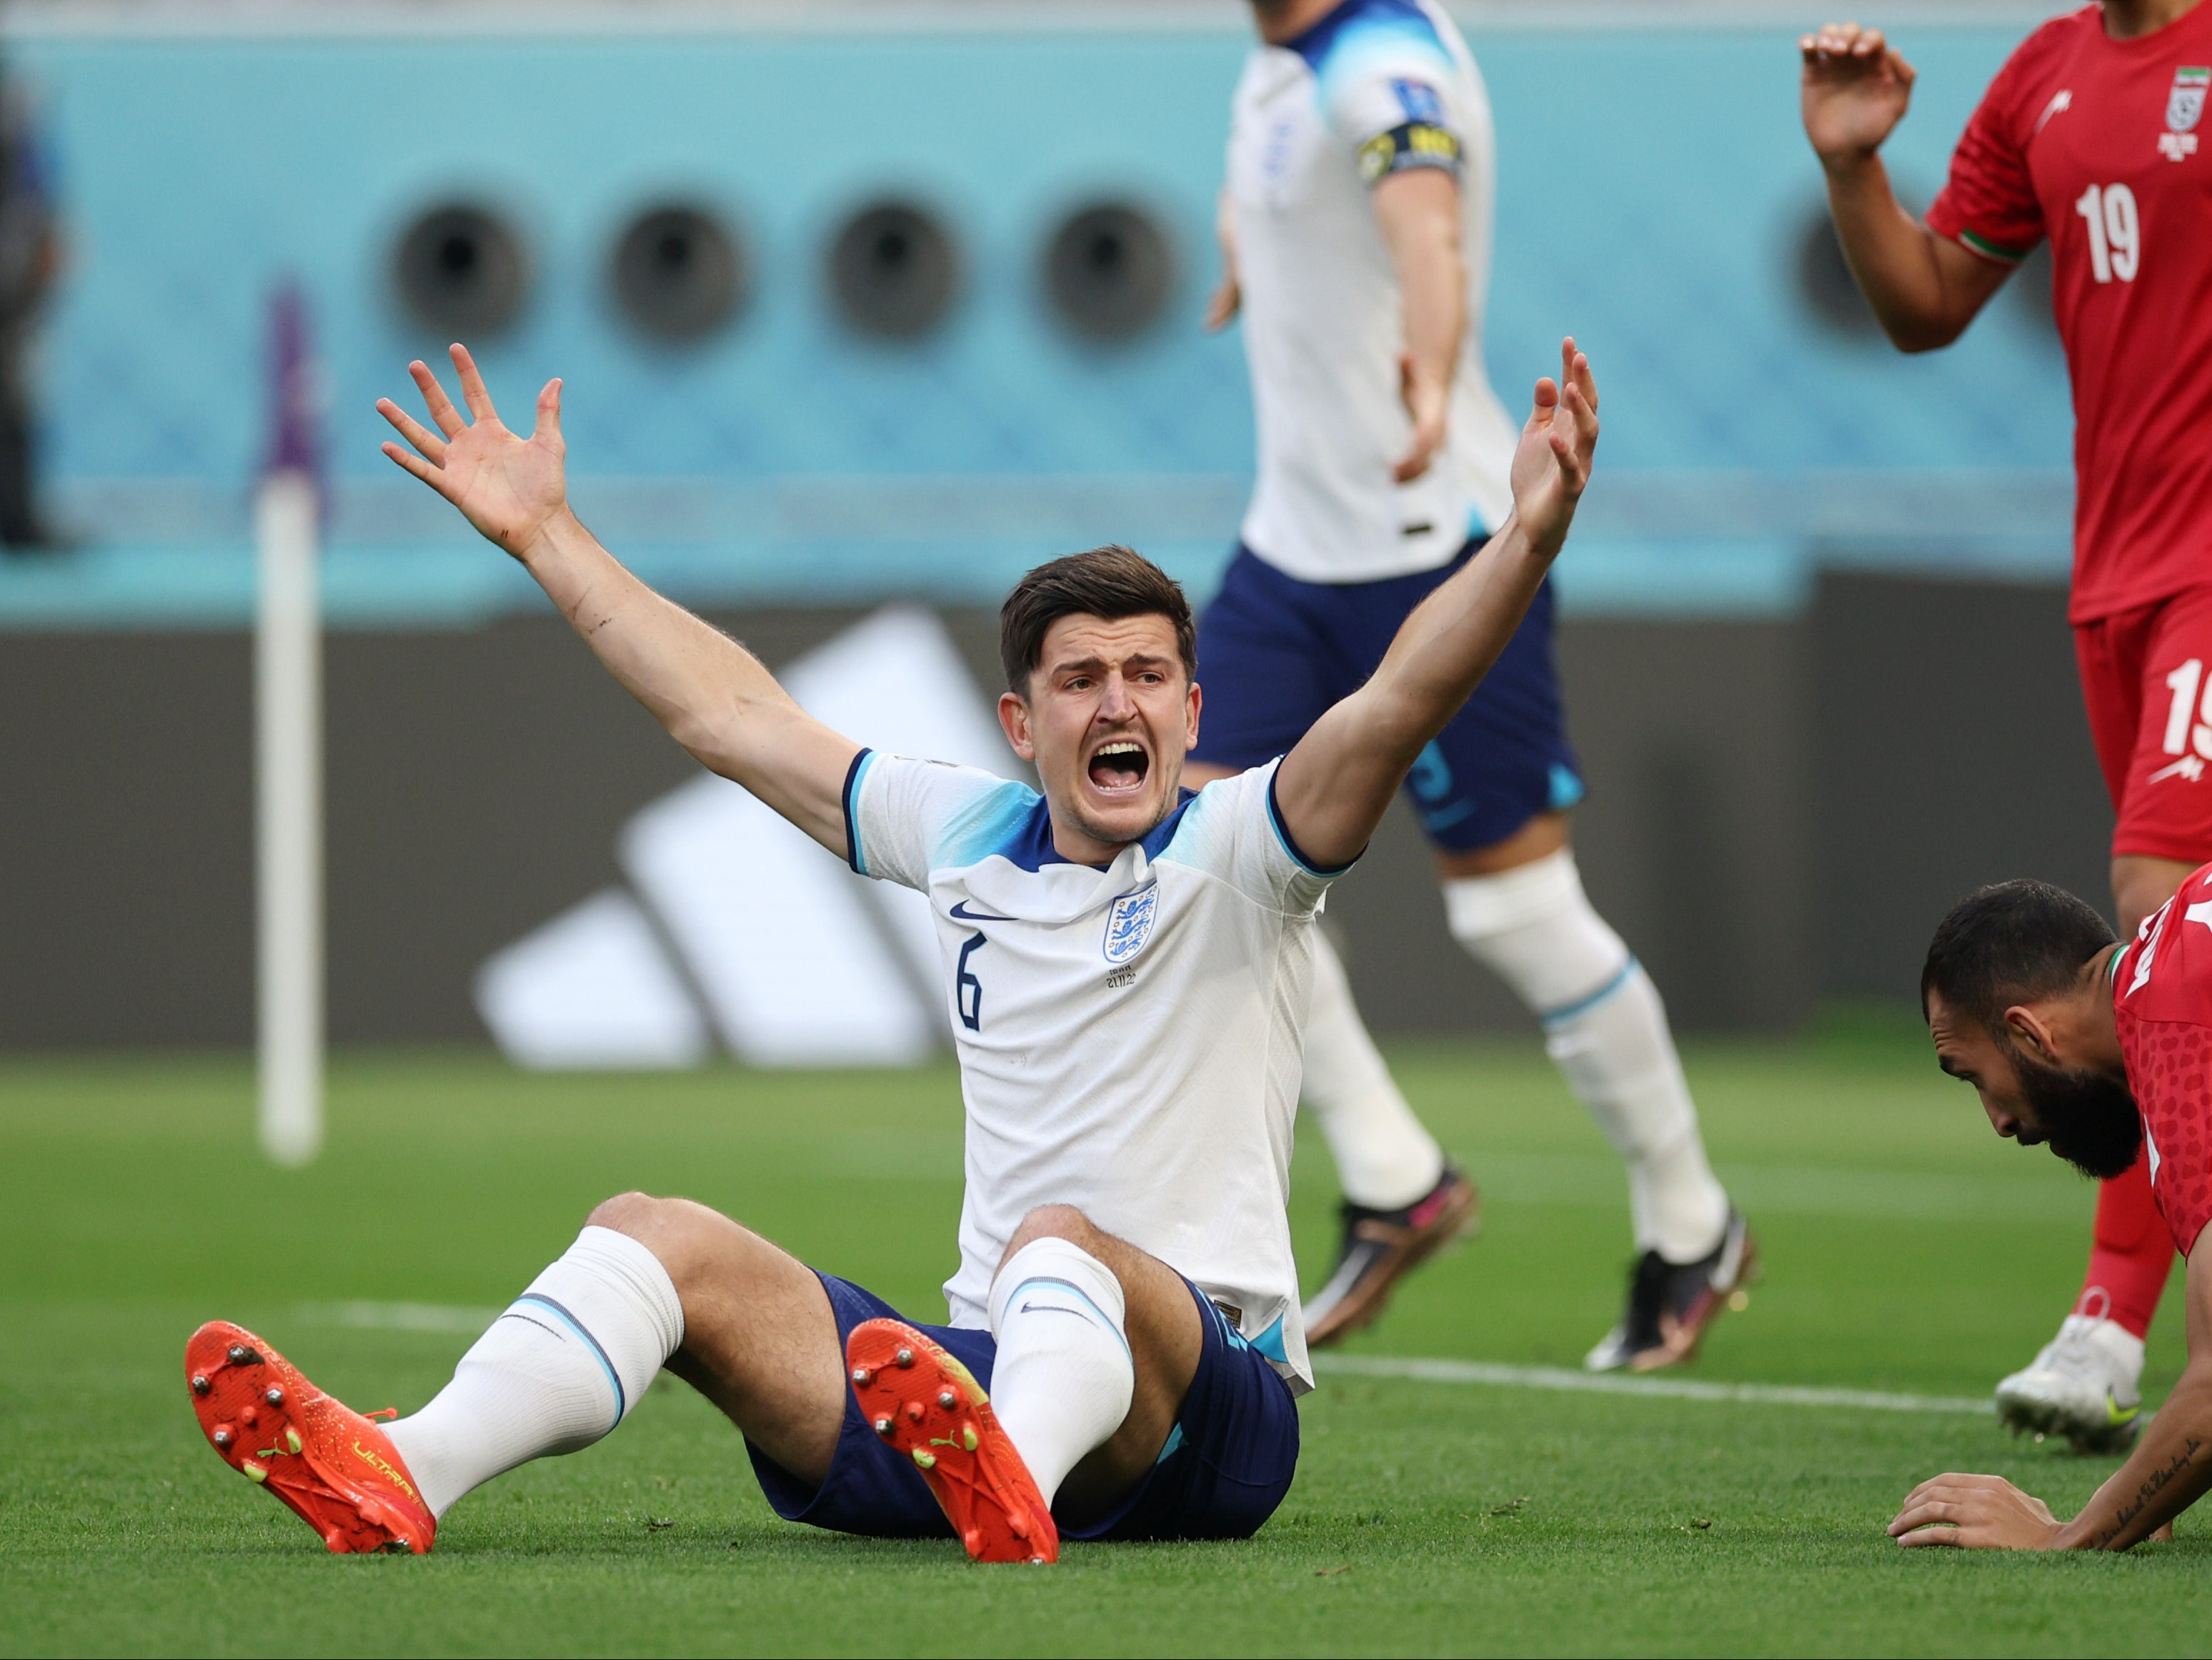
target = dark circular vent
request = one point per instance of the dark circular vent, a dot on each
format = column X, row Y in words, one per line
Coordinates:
column 462, row 270
column 1109, row 270
column 894, row 271
column 1824, row 283
column 679, row 274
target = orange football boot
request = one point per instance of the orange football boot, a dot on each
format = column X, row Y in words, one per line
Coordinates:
column 930, row 1407
column 336, row 1470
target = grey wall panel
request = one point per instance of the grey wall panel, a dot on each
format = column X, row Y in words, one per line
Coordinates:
column 1692, row 840
column 125, row 813
column 1949, row 750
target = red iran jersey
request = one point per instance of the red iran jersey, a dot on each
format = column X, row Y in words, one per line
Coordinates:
column 2098, row 144
column 2162, row 997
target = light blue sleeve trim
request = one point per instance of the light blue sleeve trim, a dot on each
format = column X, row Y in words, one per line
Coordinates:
column 1291, row 847
column 981, row 825
column 1396, row 48
column 854, row 776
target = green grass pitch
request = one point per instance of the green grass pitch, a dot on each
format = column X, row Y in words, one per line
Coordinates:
column 1907, row 1251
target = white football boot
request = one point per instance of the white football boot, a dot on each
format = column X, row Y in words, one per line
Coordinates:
column 2084, row 1385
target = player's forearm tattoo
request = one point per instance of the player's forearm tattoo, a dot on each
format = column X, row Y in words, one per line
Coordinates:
column 2150, row 1489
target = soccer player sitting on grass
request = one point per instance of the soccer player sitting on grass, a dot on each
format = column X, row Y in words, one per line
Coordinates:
column 2099, row 1050
column 1126, row 966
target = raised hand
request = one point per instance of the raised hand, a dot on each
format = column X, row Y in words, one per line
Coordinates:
column 1974, row 1513
column 509, row 488
column 1854, row 92
column 1552, row 464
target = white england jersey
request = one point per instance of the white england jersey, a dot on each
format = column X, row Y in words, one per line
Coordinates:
column 1376, row 87
column 1131, row 1038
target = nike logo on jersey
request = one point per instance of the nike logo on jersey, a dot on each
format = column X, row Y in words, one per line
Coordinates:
column 961, row 912
column 2061, row 100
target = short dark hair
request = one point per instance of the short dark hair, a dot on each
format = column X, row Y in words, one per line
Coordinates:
column 2010, row 943
column 1110, row 583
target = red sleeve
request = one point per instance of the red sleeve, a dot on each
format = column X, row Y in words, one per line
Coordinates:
column 2171, row 1076
column 1988, row 203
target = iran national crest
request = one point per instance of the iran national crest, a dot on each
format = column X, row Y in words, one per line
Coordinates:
column 2185, row 104
column 1129, row 924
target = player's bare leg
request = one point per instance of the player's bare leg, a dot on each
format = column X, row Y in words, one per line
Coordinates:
column 759, row 1339
column 2085, row 1384
column 1518, row 906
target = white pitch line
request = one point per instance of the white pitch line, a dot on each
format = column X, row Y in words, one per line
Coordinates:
column 469, row 1323
column 1599, row 1382
column 400, row 1316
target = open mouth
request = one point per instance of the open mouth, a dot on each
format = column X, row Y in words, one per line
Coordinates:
column 1119, row 767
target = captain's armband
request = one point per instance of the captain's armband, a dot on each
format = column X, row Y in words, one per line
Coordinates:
column 1414, row 144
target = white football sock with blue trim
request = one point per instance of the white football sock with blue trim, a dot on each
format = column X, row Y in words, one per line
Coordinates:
column 1063, row 1376
column 1606, row 1029
column 567, row 1362
column 1385, row 1160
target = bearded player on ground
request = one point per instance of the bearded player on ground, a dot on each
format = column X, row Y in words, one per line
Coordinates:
column 2089, row 135
column 1126, row 968
column 2105, row 1053
column 1355, row 233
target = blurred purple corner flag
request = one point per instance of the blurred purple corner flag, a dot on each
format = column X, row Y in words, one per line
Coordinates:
column 295, row 446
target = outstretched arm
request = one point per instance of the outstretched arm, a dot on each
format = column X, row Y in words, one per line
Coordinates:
column 1332, row 788
column 1925, row 289
column 712, row 695
column 2169, row 1470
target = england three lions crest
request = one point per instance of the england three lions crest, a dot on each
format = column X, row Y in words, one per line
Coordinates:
column 1129, row 924
column 2185, row 103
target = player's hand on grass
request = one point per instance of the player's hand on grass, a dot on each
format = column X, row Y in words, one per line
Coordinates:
column 1975, row 1512
column 1553, row 463
column 510, row 487
column 1428, row 405
column 1854, row 91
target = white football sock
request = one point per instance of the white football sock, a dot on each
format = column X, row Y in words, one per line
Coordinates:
column 1384, row 1159
column 567, row 1362
column 1063, row 1376
column 1606, row 1029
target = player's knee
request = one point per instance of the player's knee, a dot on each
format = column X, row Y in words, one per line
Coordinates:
column 625, row 1213
column 677, row 1231
column 1053, row 1222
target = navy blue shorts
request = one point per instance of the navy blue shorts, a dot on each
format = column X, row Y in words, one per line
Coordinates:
column 1227, row 1464
column 1274, row 653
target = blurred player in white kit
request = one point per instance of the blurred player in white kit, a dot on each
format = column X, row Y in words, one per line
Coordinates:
column 1356, row 228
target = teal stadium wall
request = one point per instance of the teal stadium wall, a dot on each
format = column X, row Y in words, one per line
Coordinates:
column 1654, row 194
